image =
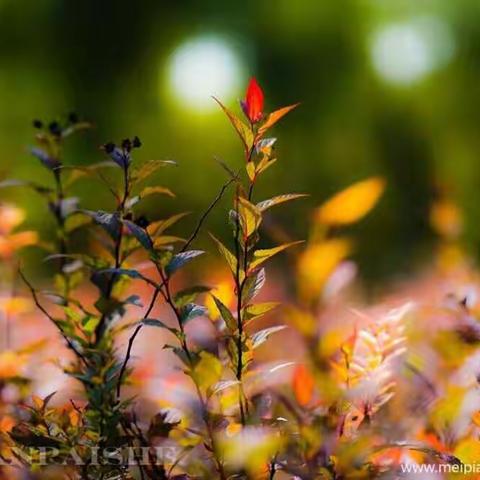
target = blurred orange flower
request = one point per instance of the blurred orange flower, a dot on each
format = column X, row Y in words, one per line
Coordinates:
column 10, row 218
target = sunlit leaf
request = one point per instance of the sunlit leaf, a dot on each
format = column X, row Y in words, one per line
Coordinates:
column 317, row 262
column 181, row 259
column 258, row 309
column 266, row 204
column 260, row 337
column 225, row 252
column 226, row 314
column 261, row 256
column 148, row 168
column 253, row 284
column 274, row 117
column 188, row 295
column 221, row 386
column 158, row 227
column 208, row 371
column 250, row 216
column 243, row 130
column 351, row 204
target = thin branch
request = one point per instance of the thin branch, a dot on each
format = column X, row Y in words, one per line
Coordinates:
column 206, row 213
column 47, row 314
column 132, row 338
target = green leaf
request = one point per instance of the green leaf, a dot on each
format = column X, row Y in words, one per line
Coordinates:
column 261, row 256
column 226, row 314
column 189, row 294
column 180, row 259
column 266, row 204
column 261, row 337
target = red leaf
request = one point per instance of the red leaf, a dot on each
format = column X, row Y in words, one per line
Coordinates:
column 254, row 101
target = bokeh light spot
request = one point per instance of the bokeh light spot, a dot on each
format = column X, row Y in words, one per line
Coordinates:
column 405, row 52
column 203, row 67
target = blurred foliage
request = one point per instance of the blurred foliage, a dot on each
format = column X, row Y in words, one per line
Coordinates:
column 110, row 59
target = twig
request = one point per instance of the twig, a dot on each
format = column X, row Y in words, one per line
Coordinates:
column 206, row 213
column 47, row 314
column 132, row 338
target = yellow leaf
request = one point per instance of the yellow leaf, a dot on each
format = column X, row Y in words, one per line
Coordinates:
column 259, row 309
column 156, row 190
column 317, row 262
column 229, row 257
column 156, row 228
column 251, row 170
column 468, row 452
column 207, row 371
column 251, row 449
column 351, row 204
column 37, row 402
column 446, row 219
column 250, row 216
column 302, row 320
column 261, row 256
column 244, row 132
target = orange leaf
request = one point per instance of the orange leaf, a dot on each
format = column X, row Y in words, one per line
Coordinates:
column 274, row 117
column 303, row 385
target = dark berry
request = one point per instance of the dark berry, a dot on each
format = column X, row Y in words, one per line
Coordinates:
column 127, row 144
column 73, row 117
column 54, row 128
column 38, row 124
column 142, row 221
column 109, row 147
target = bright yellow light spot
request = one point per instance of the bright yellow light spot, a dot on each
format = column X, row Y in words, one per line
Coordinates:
column 202, row 67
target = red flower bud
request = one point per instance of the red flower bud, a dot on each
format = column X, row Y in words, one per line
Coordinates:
column 253, row 104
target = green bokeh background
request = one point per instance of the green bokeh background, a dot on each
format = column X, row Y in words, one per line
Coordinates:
column 108, row 60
